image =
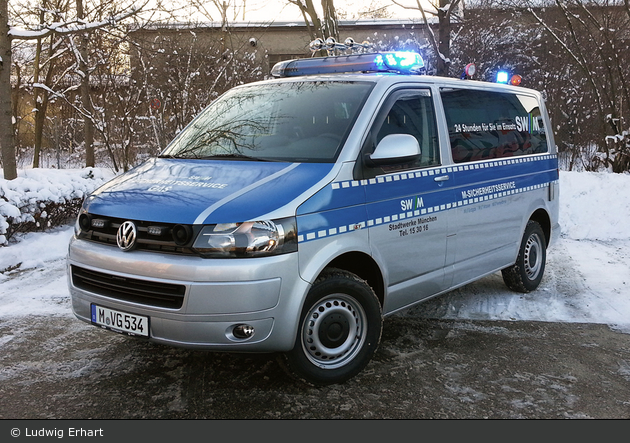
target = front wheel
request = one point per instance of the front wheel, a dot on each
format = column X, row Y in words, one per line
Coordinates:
column 339, row 331
column 525, row 275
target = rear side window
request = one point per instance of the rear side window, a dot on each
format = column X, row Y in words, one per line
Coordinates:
column 485, row 125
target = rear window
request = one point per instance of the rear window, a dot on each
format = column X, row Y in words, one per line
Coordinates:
column 485, row 125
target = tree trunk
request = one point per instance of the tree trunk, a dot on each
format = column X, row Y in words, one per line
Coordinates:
column 88, row 125
column 7, row 140
column 86, row 103
column 330, row 20
column 444, row 39
column 38, row 100
column 40, row 118
column 15, row 99
column 311, row 20
column 39, row 123
column 42, row 109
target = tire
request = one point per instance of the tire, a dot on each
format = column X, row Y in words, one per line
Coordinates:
column 326, row 351
column 525, row 275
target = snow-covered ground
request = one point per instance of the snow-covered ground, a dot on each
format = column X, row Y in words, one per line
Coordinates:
column 587, row 277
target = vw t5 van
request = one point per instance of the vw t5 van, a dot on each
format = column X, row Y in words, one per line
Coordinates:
column 294, row 214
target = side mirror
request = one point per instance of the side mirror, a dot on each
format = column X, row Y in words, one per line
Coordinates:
column 393, row 149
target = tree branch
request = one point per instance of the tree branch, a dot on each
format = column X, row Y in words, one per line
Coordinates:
column 72, row 27
column 415, row 8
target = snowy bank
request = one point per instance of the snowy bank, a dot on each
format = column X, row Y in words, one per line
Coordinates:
column 595, row 205
column 42, row 198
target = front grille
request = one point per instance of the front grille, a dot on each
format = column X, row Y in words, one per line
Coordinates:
column 163, row 295
column 163, row 242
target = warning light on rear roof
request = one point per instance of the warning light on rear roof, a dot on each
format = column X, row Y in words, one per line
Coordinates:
column 469, row 71
column 502, row 77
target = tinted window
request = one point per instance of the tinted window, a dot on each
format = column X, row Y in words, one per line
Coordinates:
column 304, row 121
column 412, row 114
column 485, row 125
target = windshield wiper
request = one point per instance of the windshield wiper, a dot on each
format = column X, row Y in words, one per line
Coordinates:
column 232, row 157
column 218, row 157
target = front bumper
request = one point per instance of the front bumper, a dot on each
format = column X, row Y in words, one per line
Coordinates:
column 218, row 294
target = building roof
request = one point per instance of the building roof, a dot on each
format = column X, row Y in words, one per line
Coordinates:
column 290, row 24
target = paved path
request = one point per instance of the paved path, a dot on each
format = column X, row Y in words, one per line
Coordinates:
column 56, row 367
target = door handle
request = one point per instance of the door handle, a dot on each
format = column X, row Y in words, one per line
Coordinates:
column 441, row 178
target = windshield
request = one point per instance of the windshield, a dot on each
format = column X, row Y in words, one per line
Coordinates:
column 297, row 122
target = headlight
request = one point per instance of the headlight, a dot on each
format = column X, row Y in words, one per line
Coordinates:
column 247, row 239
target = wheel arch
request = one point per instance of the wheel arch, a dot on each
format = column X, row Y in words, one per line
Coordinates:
column 363, row 266
column 542, row 217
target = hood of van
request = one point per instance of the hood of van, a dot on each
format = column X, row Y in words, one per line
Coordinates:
column 204, row 191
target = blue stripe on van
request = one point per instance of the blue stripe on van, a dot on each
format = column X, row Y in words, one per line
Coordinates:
column 468, row 184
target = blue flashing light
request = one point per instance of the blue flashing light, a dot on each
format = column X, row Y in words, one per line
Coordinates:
column 403, row 62
column 502, row 77
column 391, row 60
column 409, row 59
column 400, row 62
column 379, row 63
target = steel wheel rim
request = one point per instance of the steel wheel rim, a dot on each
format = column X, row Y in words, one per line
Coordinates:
column 334, row 331
column 533, row 256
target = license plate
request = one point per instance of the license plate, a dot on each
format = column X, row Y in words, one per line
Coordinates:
column 123, row 322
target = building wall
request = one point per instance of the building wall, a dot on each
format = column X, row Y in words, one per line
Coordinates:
column 270, row 43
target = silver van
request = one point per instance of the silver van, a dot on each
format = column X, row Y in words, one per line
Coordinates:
column 294, row 214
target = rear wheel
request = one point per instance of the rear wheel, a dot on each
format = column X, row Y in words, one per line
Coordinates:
column 340, row 328
column 525, row 275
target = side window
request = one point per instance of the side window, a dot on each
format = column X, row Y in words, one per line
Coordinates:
column 409, row 112
column 485, row 125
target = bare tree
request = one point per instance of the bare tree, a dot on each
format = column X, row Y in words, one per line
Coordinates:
column 184, row 71
column 88, row 127
column 324, row 27
column 375, row 9
column 593, row 37
column 445, row 11
column 7, row 140
column 42, row 31
column 573, row 51
column 46, row 64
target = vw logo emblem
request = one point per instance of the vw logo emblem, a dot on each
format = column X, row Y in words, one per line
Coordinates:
column 126, row 236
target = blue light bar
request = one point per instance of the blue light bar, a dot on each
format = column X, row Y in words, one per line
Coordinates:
column 502, row 77
column 399, row 62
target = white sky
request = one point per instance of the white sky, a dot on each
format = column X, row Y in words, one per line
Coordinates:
column 281, row 10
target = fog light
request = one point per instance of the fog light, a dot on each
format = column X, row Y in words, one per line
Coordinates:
column 243, row 331
column 84, row 222
column 99, row 223
column 181, row 234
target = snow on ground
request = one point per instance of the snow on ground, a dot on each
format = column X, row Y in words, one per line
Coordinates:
column 587, row 277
